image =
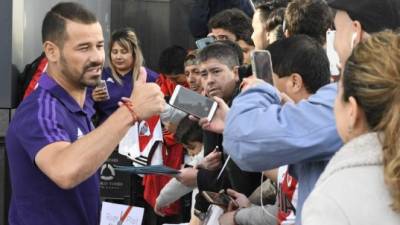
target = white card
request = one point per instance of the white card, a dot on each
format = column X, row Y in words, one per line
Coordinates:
column 112, row 213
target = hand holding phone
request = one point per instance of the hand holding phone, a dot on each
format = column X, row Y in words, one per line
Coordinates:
column 193, row 103
column 250, row 82
column 100, row 93
column 212, row 161
column 217, row 124
column 261, row 65
column 221, row 199
column 240, row 199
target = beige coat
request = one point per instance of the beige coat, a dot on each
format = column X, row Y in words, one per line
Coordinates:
column 351, row 190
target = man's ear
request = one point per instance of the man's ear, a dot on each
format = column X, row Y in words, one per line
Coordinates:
column 52, row 51
column 358, row 33
column 296, row 82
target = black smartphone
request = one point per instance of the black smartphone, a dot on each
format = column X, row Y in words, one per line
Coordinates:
column 202, row 43
column 261, row 65
column 244, row 71
column 193, row 103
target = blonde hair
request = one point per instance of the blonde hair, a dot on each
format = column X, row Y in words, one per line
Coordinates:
column 372, row 77
column 127, row 39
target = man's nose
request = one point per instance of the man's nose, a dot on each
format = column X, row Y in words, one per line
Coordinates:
column 209, row 80
column 191, row 78
column 97, row 56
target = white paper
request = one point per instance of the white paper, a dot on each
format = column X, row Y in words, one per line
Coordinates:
column 214, row 212
column 111, row 214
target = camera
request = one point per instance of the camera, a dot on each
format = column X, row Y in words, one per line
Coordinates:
column 244, row 71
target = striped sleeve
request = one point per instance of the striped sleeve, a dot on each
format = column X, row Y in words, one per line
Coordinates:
column 41, row 125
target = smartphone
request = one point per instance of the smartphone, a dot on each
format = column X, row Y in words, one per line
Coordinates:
column 103, row 86
column 221, row 199
column 193, row 103
column 202, row 43
column 331, row 52
column 261, row 65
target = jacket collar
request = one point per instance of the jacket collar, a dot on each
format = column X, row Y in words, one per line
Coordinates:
column 48, row 83
column 365, row 150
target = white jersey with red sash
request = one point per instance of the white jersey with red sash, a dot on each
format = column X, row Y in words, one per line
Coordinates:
column 143, row 142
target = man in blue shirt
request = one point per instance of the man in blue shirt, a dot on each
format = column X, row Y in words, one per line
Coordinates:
column 53, row 150
column 300, row 67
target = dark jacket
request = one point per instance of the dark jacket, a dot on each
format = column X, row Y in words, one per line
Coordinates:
column 232, row 177
column 203, row 10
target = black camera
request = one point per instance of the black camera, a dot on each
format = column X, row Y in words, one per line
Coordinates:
column 244, row 71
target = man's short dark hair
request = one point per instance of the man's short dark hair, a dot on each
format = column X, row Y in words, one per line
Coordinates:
column 303, row 55
column 223, row 51
column 234, row 46
column 267, row 7
column 234, row 21
column 192, row 58
column 275, row 19
column 310, row 17
column 188, row 131
column 172, row 60
column 54, row 23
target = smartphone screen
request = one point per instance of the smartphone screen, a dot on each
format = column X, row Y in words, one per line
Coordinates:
column 193, row 103
column 261, row 65
column 202, row 43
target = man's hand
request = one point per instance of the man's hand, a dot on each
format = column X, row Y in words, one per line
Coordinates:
column 239, row 198
column 250, row 82
column 159, row 210
column 212, row 161
column 171, row 127
column 147, row 98
column 227, row 218
column 99, row 94
column 188, row 177
column 217, row 123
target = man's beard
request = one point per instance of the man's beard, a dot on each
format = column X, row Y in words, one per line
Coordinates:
column 80, row 78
